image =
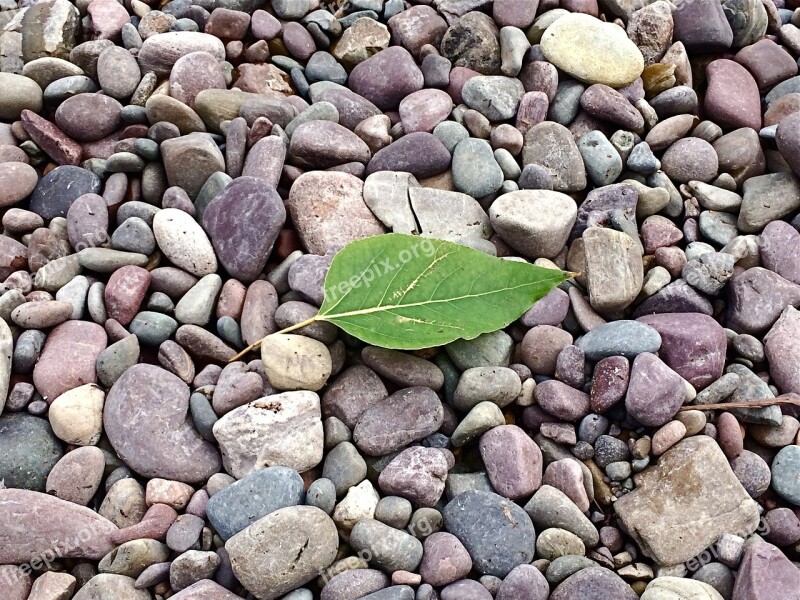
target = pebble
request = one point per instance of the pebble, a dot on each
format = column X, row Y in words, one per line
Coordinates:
column 497, row 533
column 273, row 555
column 254, row 496
column 302, row 451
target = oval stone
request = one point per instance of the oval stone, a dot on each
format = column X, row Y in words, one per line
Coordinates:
column 145, row 418
column 592, row 51
column 243, row 223
column 68, row 358
column 406, row 416
column 184, row 242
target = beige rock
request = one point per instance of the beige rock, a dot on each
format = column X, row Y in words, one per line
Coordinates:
column 614, row 269
column 361, row 40
column 76, row 416
column 133, row 557
column 359, row 503
column 108, row 585
column 53, row 586
column 283, row 550
column 172, row 493
column 592, row 51
column 124, row 504
column 295, row 362
column 184, row 242
column 686, row 502
column 278, row 430
column 679, row 588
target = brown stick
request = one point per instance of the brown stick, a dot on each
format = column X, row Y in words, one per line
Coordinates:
column 257, row 343
column 792, row 399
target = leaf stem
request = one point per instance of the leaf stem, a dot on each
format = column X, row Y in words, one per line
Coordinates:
column 257, row 343
column 793, row 399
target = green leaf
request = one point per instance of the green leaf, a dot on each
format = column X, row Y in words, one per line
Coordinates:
column 408, row 292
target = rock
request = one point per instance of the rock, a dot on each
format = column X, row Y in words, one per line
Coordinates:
column 613, row 269
column 497, row 533
column 764, row 571
column 68, row 358
column 50, row 29
column 684, row 494
column 702, row 27
column 17, row 181
column 29, row 450
column 619, row 338
column 328, row 210
column 550, row 507
column 677, row 588
column 693, row 345
column 57, row 190
column 592, row 51
column 389, row 548
column 183, row 242
column 561, row 400
column 690, row 159
column 324, row 144
column 757, row 297
column 498, row 385
column 265, row 160
column 386, row 77
column 406, row 416
column 189, row 160
column 417, row 474
column 424, row 110
column 88, row 117
column 475, row 170
column 354, row 390
column 496, row 98
column 145, row 421
column 254, row 436
column 18, row 93
column 420, row 154
column 255, row 496
column 513, row 461
column 655, row 392
column 282, row 551
column 364, row 38
column 161, row 51
column 76, row 416
column 593, row 584
column 471, row 42
column 243, row 223
column 552, row 146
column 353, row 582
column 295, row 362
column 118, row 72
column 35, row 524
column 767, row 198
column 785, row 470
column 742, row 109
column 534, row 222
column 445, row 559
column 781, row 350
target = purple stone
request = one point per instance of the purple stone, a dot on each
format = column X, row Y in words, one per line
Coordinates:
column 692, row 344
column 243, row 223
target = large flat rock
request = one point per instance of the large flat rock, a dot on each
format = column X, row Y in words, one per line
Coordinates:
column 686, row 502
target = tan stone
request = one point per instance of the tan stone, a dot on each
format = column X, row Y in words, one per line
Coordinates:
column 686, row 502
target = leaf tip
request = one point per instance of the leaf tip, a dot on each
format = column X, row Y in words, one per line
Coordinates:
column 572, row 274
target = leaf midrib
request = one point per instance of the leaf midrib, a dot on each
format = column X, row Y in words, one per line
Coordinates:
column 366, row 311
